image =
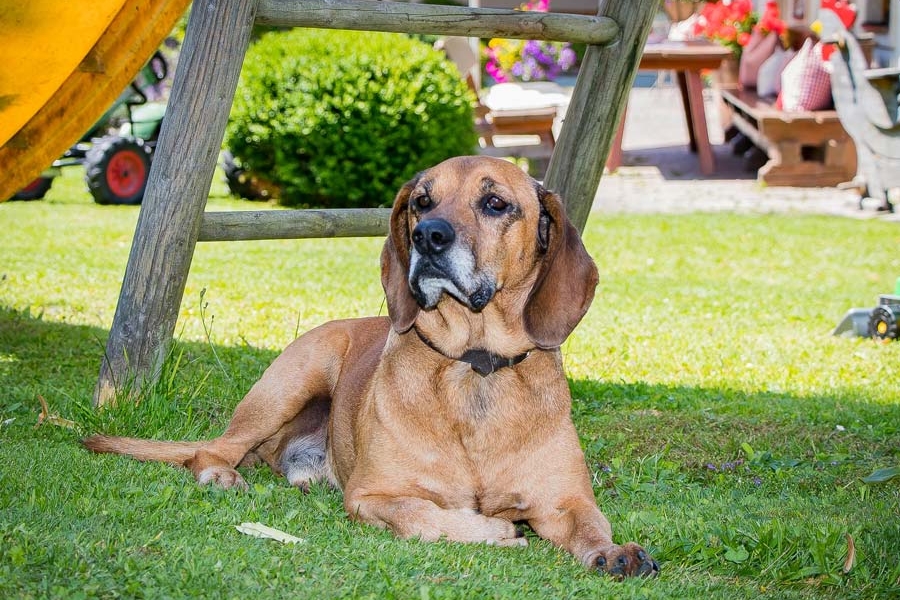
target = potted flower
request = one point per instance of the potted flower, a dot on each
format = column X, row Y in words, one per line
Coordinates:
column 732, row 22
column 527, row 60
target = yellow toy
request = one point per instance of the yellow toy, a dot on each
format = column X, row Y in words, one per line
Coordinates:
column 63, row 66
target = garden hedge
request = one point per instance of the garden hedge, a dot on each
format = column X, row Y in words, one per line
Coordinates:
column 342, row 119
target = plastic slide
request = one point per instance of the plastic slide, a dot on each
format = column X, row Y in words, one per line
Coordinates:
column 62, row 64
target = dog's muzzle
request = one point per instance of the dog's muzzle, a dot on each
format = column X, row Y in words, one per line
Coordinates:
column 439, row 264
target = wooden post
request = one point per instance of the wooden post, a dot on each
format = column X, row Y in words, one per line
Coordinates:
column 596, row 108
column 215, row 43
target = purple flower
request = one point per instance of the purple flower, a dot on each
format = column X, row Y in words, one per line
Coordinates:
column 531, row 47
column 536, row 50
column 528, row 60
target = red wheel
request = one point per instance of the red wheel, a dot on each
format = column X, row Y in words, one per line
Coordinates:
column 116, row 170
column 126, row 173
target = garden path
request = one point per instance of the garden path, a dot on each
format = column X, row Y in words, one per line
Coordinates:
column 659, row 174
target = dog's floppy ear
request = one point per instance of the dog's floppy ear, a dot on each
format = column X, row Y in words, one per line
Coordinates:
column 401, row 305
column 564, row 287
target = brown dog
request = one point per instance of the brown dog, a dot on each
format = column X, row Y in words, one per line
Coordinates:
column 451, row 418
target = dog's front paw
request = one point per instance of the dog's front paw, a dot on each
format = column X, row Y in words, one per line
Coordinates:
column 629, row 560
column 518, row 539
column 224, row 477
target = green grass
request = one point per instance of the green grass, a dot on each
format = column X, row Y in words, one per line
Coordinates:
column 726, row 430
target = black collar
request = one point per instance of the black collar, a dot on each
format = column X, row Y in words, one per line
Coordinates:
column 482, row 362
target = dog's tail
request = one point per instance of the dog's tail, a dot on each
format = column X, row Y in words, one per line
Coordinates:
column 175, row 453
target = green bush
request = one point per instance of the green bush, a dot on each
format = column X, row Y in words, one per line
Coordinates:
column 341, row 118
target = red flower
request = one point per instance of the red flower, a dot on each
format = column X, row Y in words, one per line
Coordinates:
column 727, row 32
column 730, row 22
column 771, row 20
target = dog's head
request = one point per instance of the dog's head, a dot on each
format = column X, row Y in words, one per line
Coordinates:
column 471, row 228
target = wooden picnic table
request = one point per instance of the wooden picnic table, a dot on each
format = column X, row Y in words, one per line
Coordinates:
column 687, row 59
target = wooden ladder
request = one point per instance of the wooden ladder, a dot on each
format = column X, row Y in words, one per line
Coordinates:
column 172, row 218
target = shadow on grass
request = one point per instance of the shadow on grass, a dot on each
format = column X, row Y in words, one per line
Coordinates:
column 60, row 362
column 719, row 480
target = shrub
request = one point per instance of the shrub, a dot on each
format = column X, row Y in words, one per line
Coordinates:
column 341, row 118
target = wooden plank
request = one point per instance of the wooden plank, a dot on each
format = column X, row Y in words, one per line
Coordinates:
column 596, row 107
column 402, row 17
column 693, row 55
column 805, row 173
column 205, row 81
column 293, row 224
column 811, row 132
column 750, row 103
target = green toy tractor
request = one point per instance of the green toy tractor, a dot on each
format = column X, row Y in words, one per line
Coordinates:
column 116, row 160
column 881, row 322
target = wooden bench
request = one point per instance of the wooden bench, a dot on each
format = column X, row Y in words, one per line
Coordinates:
column 537, row 121
column 804, row 149
column 532, row 121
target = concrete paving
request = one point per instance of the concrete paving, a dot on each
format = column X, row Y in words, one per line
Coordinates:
column 660, row 174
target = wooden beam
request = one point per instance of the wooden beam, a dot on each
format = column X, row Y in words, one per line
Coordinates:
column 294, row 224
column 596, row 107
column 402, row 17
column 217, row 37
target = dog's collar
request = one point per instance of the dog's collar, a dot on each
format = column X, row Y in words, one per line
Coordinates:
column 482, row 362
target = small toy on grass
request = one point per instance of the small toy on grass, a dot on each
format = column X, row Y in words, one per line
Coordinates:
column 881, row 323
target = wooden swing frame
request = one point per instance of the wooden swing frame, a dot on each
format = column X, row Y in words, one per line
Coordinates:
column 173, row 218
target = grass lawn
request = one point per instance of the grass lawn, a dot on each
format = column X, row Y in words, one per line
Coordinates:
column 726, row 430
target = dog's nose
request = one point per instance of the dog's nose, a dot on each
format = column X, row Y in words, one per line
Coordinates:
column 433, row 236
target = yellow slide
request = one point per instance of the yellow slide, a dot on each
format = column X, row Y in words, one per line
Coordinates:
column 62, row 64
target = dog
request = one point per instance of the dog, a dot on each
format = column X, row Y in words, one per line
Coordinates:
column 450, row 417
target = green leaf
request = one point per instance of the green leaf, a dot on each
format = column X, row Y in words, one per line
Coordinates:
column 882, row 475
column 736, row 555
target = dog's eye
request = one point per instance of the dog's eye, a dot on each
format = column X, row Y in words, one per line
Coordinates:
column 423, row 201
column 495, row 205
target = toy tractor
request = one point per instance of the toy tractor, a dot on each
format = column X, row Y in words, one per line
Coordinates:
column 881, row 323
column 116, row 163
